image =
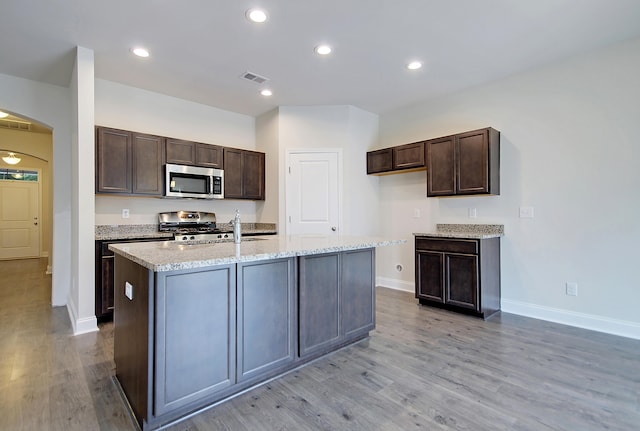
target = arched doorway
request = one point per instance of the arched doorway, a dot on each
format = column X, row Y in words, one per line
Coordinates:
column 32, row 145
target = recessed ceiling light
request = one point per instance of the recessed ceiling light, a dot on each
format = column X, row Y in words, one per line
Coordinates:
column 266, row 92
column 414, row 65
column 140, row 52
column 323, row 49
column 3, row 114
column 256, row 15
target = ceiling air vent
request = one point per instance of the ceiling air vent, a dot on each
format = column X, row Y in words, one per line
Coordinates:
column 254, row 77
column 15, row 125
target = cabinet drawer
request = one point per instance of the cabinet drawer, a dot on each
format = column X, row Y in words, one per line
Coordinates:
column 447, row 245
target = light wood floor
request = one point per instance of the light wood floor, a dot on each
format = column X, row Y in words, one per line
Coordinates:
column 422, row 369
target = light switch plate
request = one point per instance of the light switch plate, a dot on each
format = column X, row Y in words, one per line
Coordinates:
column 128, row 290
column 473, row 213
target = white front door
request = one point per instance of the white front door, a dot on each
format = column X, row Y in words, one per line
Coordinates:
column 19, row 224
column 314, row 192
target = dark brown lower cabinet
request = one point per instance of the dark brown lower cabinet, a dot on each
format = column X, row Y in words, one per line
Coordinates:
column 459, row 274
column 104, row 275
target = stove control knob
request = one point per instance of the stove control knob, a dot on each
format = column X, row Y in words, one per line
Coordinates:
column 184, row 238
column 192, row 238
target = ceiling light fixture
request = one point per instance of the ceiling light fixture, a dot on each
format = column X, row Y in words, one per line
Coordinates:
column 256, row 15
column 323, row 49
column 266, row 92
column 140, row 52
column 11, row 159
column 3, row 114
column 414, row 65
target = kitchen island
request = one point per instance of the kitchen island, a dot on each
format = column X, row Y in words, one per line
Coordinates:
column 197, row 323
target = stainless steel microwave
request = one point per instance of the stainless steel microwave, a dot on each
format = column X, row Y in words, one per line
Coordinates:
column 182, row 181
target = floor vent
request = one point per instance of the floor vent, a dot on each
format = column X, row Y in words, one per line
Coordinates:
column 254, row 77
column 16, row 125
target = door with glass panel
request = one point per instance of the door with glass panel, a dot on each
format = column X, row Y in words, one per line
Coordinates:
column 19, row 214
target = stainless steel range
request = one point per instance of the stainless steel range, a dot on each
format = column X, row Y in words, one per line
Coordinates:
column 192, row 226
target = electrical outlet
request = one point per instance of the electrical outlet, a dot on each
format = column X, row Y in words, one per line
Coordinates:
column 571, row 288
column 526, row 212
column 128, row 290
column 125, row 213
column 416, row 213
column 473, row 213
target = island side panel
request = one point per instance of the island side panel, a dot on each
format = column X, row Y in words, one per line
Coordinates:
column 358, row 292
column 267, row 319
column 131, row 334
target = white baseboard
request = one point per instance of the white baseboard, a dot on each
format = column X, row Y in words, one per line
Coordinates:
column 80, row 326
column 581, row 320
column 592, row 322
column 392, row 283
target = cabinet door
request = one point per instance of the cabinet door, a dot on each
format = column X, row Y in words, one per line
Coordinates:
column 253, row 175
column 319, row 303
column 408, row 156
column 244, row 173
column 209, row 156
column 266, row 317
column 472, row 162
column 441, row 177
column 462, row 280
column 148, row 160
column 180, row 152
column 232, row 173
column 358, row 292
column 113, row 161
column 195, row 336
column 379, row 161
column 430, row 276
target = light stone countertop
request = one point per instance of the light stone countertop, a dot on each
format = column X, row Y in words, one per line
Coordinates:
column 468, row 231
column 140, row 231
column 171, row 255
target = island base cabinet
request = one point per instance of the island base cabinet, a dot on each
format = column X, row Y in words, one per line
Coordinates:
column 195, row 336
column 267, row 304
column 337, row 299
column 186, row 339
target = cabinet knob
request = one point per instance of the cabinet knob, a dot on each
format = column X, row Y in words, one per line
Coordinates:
column 333, row 228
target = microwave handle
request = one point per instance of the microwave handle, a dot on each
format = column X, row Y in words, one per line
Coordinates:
column 210, row 184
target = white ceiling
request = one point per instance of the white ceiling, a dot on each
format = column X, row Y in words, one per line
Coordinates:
column 199, row 48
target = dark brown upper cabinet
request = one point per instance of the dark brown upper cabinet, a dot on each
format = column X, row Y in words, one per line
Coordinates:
column 464, row 164
column 244, row 173
column 194, row 153
column 398, row 158
column 129, row 163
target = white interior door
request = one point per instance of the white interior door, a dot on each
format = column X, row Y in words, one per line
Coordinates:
column 19, row 224
column 314, row 192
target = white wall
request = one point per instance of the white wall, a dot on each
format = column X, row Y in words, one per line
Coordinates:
column 345, row 127
column 81, row 300
column 569, row 148
column 130, row 108
column 50, row 105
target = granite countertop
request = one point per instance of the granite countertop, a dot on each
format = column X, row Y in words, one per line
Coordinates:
column 469, row 231
column 135, row 231
column 171, row 255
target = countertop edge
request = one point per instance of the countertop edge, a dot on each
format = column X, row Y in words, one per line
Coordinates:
column 239, row 258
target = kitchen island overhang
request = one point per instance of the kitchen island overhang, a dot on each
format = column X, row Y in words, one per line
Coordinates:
column 196, row 324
